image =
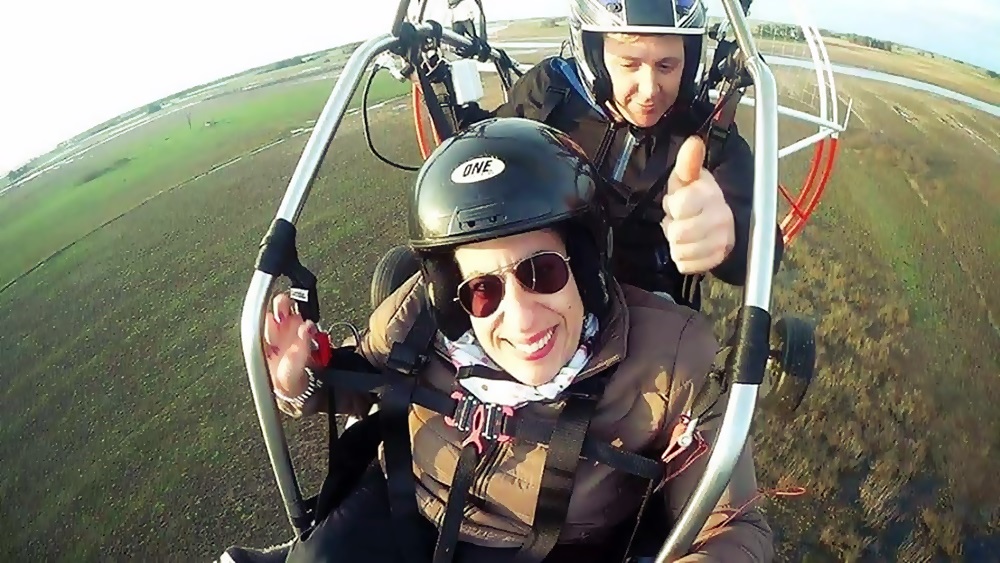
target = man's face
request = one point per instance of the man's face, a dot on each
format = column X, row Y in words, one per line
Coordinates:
column 645, row 74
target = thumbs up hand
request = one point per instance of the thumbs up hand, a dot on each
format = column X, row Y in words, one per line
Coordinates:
column 698, row 223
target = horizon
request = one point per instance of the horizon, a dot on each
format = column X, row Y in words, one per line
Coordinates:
column 235, row 38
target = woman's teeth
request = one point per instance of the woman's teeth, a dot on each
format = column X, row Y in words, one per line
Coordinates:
column 536, row 346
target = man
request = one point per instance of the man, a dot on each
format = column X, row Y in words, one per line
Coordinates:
column 628, row 97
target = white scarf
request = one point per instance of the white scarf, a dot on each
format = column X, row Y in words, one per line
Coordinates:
column 466, row 351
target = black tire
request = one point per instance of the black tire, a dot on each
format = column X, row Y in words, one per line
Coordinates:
column 792, row 365
column 392, row 270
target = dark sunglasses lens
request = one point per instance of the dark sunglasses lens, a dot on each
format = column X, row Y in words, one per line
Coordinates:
column 544, row 273
column 481, row 296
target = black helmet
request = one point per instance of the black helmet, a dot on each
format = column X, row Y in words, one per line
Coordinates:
column 501, row 177
column 590, row 20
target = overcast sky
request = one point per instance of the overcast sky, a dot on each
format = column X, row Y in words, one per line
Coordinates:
column 69, row 65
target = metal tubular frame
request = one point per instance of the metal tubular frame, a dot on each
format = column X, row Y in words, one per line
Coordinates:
column 735, row 426
column 261, row 284
column 739, row 412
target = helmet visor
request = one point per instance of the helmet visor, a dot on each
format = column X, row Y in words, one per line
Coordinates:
column 675, row 17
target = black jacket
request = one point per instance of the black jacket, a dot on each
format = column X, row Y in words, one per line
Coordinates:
column 551, row 92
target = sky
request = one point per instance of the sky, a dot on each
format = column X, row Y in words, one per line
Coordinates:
column 67, row 66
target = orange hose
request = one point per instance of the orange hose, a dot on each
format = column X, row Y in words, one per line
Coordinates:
column 418, row 114
column 418, row 123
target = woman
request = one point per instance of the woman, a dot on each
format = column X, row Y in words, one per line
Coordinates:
column 540, row 351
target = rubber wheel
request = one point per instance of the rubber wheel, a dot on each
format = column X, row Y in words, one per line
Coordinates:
column 792, row 364
column 395, row 267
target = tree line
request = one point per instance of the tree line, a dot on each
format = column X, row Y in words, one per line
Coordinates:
column 787, row 32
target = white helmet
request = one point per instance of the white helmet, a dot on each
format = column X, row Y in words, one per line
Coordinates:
column 591, row 19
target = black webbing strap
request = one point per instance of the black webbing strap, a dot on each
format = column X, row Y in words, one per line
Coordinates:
column 406, row 358
column 554, row 97
column 651, row 183
column 461, row 484
column 409, row 356
column 601, row 154
column 353, row 452
column 626, row 546
column 718, row 131
column 712, row 389
column 332, row 431
column 691, row 290
column 638, row 196
column 558, row 476
column 350, row 456
column 394, row 413
column 717, row 128
column 480, row 421
column 700, row 408
column 444, row 128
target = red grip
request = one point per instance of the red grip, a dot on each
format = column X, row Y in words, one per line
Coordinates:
column 324, row 351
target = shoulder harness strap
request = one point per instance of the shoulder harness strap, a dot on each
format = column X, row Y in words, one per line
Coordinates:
column 559, row 472
column 355, row 450
column 554, row 97
column 406, row 358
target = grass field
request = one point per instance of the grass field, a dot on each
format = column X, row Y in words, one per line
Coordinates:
column 108, row 181
column 129, row 430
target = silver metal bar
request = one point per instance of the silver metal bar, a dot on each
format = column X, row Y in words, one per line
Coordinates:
column 327, row 125
column 757, row 293
column 332, row 114
column 806, row 142
column 401, row 10
column 252, row 319
column 251, row 331
column 787, row 111
column 299, row 186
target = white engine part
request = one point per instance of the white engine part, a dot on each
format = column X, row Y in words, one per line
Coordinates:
column 466, row 81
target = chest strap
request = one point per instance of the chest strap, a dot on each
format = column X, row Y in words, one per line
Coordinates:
column 441, row 403
column 559, row 472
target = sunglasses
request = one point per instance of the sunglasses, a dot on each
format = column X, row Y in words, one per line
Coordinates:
column 543, row 273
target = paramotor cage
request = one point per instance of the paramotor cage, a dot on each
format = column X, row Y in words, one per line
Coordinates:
column 745, row 366
column 826, row 117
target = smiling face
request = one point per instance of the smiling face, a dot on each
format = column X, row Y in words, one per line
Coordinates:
column 531, row 335
column 645, row 73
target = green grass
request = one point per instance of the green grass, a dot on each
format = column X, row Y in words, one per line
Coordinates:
column 137, row 378
column 91, row 193
column 129, row 431
column 895, row 268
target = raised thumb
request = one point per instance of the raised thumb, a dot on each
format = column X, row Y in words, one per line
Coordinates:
column 690, row 158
